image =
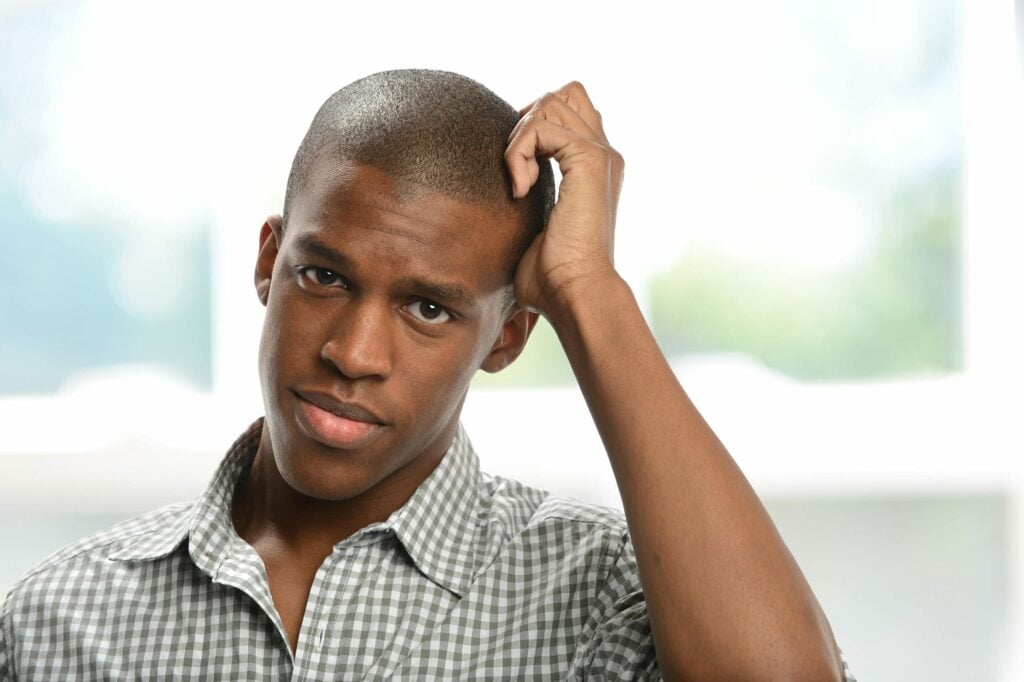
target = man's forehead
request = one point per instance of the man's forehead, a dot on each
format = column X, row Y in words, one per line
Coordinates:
column 339, row 188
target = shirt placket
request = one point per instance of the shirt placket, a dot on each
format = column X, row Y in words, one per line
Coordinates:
column 243, row 569
column 323, row 651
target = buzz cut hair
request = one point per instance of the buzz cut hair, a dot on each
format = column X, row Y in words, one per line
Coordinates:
column 429, row 130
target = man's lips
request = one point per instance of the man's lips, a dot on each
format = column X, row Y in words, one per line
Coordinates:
column 335, row 423
column 329, row 403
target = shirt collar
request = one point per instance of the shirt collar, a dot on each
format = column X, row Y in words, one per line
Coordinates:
column 439, row 526
column 208, row 527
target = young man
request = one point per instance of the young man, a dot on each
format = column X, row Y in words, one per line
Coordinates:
column 349, row 533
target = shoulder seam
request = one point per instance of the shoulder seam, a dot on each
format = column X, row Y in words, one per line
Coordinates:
column 617, row 528
column 56, row 561
column 593, row 522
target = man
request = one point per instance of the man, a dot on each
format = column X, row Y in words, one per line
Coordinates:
column 349, row 534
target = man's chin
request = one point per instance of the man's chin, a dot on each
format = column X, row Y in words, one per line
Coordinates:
column 334, row 482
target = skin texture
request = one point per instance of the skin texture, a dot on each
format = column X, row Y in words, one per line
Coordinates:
column 726, row 599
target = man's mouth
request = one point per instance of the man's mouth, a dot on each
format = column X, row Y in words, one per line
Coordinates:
column 338, row 407
column 336, row 423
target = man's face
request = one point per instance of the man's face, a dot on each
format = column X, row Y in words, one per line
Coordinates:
column 378, row 315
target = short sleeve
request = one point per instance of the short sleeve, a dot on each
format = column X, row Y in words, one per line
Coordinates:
column 6, row 655
column 847, row 675
column 620, row 645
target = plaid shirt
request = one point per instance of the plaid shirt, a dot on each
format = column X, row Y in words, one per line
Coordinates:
column 475, row 577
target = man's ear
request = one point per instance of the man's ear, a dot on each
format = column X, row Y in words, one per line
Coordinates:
column 514, row 333
column 270, row 240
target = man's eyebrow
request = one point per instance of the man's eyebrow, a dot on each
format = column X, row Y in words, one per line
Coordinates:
column 443, row 292
column 449, row 293
column 310, row 244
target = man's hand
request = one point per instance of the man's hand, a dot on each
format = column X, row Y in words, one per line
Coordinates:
column 576, row 246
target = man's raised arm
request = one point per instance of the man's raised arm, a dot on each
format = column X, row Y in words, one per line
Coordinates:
column 726, row 599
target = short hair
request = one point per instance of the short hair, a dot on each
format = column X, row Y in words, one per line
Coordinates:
column 429, row 130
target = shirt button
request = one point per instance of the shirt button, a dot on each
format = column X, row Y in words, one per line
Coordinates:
column 320, row 632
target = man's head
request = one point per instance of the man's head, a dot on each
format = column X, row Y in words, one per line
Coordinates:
column 430, row 132
column 386, row 283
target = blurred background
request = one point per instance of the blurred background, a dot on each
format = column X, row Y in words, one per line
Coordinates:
column 821, row 217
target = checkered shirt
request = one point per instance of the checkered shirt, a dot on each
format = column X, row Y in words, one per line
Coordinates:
column 475, row 577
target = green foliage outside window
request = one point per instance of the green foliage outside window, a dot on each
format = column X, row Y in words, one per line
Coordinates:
column 898, row 313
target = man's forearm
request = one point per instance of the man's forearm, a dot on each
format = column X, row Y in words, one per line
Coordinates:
column 725, row 597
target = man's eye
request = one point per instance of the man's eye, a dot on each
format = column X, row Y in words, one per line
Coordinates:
column 322, row 276
column 429, row 312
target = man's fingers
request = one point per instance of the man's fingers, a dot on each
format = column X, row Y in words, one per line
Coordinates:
column 529, row 143
column 538, row 136
column 546, row 127
column 575, row 95
column 524, row 173
column 554, row 108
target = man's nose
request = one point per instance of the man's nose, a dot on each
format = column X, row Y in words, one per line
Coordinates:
column 360, row 343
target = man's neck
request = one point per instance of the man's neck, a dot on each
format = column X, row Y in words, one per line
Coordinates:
column 268, row 512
